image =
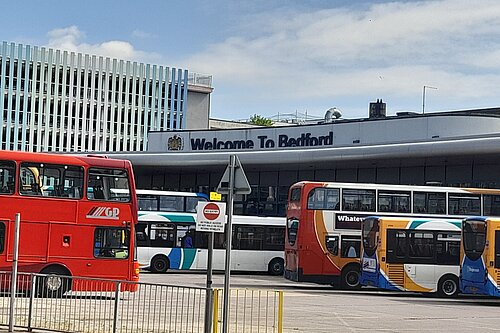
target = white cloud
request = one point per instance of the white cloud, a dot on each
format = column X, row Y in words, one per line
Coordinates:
column 384, row 49
column 71, row 39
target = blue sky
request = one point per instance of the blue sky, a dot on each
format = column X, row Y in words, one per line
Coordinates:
column 272, row 57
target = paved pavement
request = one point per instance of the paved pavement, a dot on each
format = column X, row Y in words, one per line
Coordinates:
column 322, row 309
column 313, row 308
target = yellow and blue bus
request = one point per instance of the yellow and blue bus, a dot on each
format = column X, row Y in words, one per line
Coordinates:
column 411, row 254
column 480, row 256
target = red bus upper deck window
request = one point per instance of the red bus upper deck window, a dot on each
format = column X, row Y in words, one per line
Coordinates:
column 51, row 180
column 7, row 174
column 108, row 185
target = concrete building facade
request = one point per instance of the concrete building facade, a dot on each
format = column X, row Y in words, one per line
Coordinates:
column 56, row 100
column 455, row 148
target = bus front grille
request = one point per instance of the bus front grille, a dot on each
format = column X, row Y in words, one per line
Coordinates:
column 397, row 274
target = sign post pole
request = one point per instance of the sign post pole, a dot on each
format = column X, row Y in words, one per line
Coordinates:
column 210, row 217
column 13, row 285
column 209, row 296
column 229, row 235
column 233, row 182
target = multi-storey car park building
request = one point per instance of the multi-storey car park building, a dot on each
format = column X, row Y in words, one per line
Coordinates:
column 56, row 100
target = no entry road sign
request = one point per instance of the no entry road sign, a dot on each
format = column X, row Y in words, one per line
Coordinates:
column 211, row 216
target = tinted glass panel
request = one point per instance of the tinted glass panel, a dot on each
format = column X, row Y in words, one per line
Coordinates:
column 397, row 246
column 394, row 201
column 464, row 204
column 448, row 248
column 192, row 203
column 274, row 239
column 474, row 234
column 2, row 237
column 332, row 244
column 491, row 205
column 420, row 244
column 350, row 246
column 171, row 204
column 292, row 226
column 7, row 177
column 295, row 194
column 497, row 249
column 248, row 238
column 147, row 202
column 324, row 199
column 111, row 243
column 370, row 233
column 108, row 185
column 51, row 180
column 358, row 200
column 429, row 202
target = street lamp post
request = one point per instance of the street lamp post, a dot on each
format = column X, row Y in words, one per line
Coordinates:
column 423, row 97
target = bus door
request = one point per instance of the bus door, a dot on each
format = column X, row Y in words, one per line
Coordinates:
column 201, row 247
column 474, row 244
column 396, row 256
column 420, row 267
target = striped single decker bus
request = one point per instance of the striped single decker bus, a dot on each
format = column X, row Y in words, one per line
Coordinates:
column 411, row 254
column 167, row 238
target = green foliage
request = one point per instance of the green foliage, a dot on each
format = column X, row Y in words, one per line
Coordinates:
column 259, row 120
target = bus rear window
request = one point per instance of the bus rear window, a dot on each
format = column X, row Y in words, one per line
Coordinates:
column 322, row 198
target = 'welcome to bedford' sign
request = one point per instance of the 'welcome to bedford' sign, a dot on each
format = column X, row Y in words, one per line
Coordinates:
column 241, row 139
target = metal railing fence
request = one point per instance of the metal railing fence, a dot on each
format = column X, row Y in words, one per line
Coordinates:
column 75, row 304
column 250, row 311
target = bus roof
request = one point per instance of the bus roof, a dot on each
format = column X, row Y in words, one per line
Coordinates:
column 63, row 159
column 427, row 188
column 171, row 193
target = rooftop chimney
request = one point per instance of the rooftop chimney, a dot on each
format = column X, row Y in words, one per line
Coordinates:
column 377, row 109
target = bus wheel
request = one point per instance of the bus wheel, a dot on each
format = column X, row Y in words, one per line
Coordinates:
column 350, row 277
column 276, row 266
column 55, row 284
column 448, row 286
column 160, row 264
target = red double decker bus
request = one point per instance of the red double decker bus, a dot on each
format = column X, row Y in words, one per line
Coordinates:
column 78, row 217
